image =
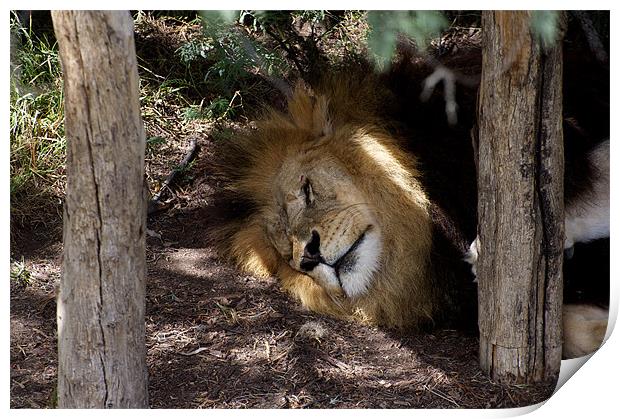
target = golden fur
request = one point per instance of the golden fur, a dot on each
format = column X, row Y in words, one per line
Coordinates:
column 362, row 181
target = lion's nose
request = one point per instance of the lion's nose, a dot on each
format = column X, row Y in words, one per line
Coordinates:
column 312, row 254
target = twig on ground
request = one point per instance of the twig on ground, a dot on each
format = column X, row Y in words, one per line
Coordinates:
column 154, row 203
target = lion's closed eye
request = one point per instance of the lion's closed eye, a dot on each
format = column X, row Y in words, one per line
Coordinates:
column 307, row 192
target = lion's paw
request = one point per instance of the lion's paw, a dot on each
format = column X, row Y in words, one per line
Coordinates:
column 584, row 329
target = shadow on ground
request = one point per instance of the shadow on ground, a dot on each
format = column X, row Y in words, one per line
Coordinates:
column 218, row 338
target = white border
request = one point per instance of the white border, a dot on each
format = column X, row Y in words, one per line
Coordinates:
column 591, row 393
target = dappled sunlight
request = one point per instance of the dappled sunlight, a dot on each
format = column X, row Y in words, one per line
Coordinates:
column 389, row 165
column 192, row 262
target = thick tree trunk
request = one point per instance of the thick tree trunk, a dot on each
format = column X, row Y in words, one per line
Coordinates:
column 101, row 304
column 520, row 202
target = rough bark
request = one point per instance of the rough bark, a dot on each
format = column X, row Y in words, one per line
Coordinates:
column 520, row 202
column 101, row 303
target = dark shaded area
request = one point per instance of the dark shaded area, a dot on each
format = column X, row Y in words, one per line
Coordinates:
column 446, row 154
column 444, row 151
column 37, row 21
column 586, row 91
column 587, row 274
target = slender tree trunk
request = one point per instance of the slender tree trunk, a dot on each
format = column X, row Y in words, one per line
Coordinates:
column 520, row 202
column 101, row 304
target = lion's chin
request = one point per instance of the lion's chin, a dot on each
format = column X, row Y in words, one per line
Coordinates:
column 355, row 273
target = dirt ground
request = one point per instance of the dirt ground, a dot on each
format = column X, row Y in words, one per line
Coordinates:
column 217, row 338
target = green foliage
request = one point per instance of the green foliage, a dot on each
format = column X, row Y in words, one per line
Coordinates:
column 421, row 26
column 184, row 173
column 218, row 108
column 36, row 57
column 313, row 16
column 20, row 273
column 37, row 144
column 153, row 143
column 235, row 55
column 194, row 49
column 303, row 41
column 281, row 19
column 220, row 17
column 545, row 26
column 193, row 112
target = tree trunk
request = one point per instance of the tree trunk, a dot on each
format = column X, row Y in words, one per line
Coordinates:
column 520, row 202
column 101, row 304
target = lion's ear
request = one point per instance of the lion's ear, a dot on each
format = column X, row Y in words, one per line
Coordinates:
column 310, row 112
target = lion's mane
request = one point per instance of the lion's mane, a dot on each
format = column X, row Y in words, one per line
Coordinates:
column 348, row 115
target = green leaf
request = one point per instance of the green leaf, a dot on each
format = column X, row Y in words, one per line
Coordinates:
column 224, row 16
column 154, row 142
column 421, row 26
column 545, row 26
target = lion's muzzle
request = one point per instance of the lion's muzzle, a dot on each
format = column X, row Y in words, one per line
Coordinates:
column 312, row 253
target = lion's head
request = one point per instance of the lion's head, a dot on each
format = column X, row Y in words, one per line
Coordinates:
column 322, row 224
column 331, row 205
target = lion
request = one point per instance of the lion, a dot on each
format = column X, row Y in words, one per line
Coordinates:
column 335, row 203
column 335, row 207
column 332, row 198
